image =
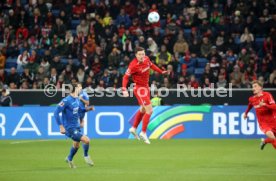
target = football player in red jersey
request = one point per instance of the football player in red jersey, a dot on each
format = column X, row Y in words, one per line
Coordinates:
column 265, row 107
column 139, row 70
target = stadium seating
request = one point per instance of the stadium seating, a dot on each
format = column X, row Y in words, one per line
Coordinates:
column 11, row 62
column 74, row 24
column 201, row 62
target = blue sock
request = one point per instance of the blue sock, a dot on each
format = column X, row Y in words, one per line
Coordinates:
column 85, row 149
column 73, row 151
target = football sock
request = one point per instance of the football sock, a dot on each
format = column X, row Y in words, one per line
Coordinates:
column 73, row 151
column 146, row 119
column 138, row 118
column 272, row 141
column 85, row 149
column 268, row 140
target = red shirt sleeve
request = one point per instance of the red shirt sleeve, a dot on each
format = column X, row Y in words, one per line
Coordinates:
column 270, row 99
column 249, row 107
column 154, row 67
column 271, row 102
column 126, row 76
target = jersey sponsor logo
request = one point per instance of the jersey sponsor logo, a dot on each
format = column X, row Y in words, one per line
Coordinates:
column 75, row 110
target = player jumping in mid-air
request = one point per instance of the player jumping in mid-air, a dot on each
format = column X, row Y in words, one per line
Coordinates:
column 139, row 69
column 265, row 107
column 69, row 125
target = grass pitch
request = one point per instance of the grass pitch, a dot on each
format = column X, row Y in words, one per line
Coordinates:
column 133, row 160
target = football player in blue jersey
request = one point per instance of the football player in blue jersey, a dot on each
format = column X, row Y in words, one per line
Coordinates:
column 70, row 126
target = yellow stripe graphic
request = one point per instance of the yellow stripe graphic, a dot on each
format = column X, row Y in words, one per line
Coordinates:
column 174, row 121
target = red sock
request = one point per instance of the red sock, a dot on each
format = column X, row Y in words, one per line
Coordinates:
column 146, row 119
column 272, row 141
column 269, row 140
column 138, row 119
column 274, row 144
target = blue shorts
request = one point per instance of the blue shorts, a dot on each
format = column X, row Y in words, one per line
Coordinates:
column 81, row 114
column 74, row 133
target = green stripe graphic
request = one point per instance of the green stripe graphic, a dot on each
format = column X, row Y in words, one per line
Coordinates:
column 174, row 111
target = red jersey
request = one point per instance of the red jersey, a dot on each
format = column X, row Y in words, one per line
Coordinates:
column 266, row 114
column 140, row 72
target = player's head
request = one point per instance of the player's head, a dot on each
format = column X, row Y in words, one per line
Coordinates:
column 140, row 54
column 76, row 89
column 257, row 87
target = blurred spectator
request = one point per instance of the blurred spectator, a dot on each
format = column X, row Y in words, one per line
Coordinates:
column 78, row 9
column 2, row 60
column 80, row 75
column 86, row 33
column 164, row 57
column 83, row 27
column 152, row 46
column 246, row 37
column 5, row 99
column 166, row 83
column 114, row 58
column 27, row 78
column 205, row 47
column 40, row 75
column 236, row 75
column 193, row 83
column 22, row 60
column 13, row 77
column 222, row 83
column 123, row 19
column 180, row 46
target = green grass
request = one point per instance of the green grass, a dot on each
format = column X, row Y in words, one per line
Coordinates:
column 133, row 160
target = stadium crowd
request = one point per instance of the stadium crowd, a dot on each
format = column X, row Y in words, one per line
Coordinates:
column 92, row 41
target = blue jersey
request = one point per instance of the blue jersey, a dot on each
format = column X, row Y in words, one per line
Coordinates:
column 83, row 95
column 69, row 107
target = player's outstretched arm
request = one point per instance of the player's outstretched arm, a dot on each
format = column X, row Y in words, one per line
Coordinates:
column 270, row 106
column 157, row 69
column 89, row 108
column 86, row 102
column 249, row 107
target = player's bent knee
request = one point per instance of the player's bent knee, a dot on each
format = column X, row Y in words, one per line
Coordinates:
column 149, row 111
column 85, row 139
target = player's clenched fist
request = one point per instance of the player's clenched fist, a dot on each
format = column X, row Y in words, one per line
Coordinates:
column 125, row 93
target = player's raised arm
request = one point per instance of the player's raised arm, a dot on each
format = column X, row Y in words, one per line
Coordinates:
column 58, row 110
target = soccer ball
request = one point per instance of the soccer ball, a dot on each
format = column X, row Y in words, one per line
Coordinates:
column 153, row 17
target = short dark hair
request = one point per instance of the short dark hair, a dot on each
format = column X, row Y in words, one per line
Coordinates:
column 74, row 86
column 138, row 49
column 257, row 82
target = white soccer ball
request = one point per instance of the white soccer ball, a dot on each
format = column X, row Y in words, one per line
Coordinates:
column 153, row 17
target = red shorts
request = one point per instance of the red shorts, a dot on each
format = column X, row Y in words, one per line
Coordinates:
column 266, row 127
column 142, row 95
